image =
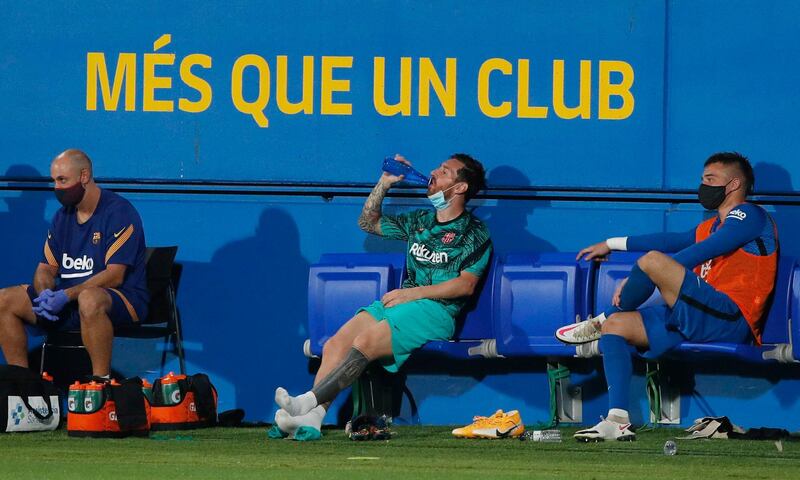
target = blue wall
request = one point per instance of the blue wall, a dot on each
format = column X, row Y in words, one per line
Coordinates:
column 252, row 207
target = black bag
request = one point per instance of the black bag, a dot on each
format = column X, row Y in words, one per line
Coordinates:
column 31, row 402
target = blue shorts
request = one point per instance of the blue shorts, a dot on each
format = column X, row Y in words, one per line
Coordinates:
column 701, row 314
column 123, row 312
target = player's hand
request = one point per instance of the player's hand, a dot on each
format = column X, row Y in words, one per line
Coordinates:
column 40, row 311
column 400, row 295
column 618, row 293
column 55, row 302
column 598, row 250
column 44, row 295
column 388, row 179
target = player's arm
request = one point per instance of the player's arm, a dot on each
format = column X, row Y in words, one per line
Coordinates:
column 111, row 277
column 461, row 286
column 370, row 218
column 45, row 277
column 734, row 233
column 663, row 242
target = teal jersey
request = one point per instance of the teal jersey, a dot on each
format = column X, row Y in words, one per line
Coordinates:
column 438, row 252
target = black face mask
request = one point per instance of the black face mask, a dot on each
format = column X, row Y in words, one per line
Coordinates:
column 70, row 196
column 711, row 197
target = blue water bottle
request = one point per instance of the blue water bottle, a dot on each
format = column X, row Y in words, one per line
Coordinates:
column 390, row 165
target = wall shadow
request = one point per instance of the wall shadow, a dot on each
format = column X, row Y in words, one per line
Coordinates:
column 249, row 307
column 774, row 178
column 24, row 228
column 508, row 220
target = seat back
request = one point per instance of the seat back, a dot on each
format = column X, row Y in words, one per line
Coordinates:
column 475, row 322
column 163, row 276
column 610, row 273
column 776, row 323
column 342, row 283
column 536, row 294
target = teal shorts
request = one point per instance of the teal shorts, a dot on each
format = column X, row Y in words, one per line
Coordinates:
column 413, row 325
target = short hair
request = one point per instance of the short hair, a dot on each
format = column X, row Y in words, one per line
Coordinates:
column 78, row 158
column 472, row 172
column 740, row 162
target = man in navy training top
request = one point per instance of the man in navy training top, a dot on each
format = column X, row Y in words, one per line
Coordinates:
column 715, row 287
column 92, row 273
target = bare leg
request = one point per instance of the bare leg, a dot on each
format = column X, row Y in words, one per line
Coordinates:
column 337, row 347
column 374, row 343
column 628, row 325
column 15, row 310
column 97, row 330
column 665, row 272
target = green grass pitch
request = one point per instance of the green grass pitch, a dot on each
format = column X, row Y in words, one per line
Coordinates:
column 415, row 453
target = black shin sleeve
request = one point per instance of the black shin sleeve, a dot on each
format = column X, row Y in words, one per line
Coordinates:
column 341, row 377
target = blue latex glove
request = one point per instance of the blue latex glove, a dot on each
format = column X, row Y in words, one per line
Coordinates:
column 55, row 303
column 43, row 297
column 40, row 311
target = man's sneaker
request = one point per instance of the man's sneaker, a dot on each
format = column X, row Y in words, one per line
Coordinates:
column 581, row 332
column 606, row 430
column 499, row 425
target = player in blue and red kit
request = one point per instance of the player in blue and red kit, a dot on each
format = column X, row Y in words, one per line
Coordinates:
column 92, row 273
column 716, row 287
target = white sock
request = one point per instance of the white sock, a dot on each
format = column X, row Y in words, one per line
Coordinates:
column 295, row 406
column 600, row 318
column 290, row 424
column 618, row 415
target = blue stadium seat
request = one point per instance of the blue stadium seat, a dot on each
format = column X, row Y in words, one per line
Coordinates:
column 794, row 323
column 535, row 294
column 342, row 283
column 610, row 273
column 474, row 328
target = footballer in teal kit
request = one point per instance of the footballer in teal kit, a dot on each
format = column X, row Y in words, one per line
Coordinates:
column 447, row 252
column 92, row 273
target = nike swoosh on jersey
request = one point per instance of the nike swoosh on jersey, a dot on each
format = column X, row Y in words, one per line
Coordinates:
column 119, row 233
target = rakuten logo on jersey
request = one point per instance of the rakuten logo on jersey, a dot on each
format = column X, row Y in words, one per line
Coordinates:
column 85, row 264
column 422, row 254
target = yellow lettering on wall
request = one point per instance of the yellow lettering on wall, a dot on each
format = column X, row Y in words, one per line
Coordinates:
column 485, row 104
column 429, row 78
column 331, row 85
column 125, row 73
column 256, row 107
column 306, row 103
column 608, row 90
column 403, row 105
column 584, row 108
column 524, row 109
column 152, row 82
column 193, row 81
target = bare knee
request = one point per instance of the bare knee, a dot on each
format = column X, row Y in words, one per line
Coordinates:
column 6, row 299
column 15, row 300
column 93, row 303
column 614, row 325
column 651, row 261
column 334, row 346
column 365, row 342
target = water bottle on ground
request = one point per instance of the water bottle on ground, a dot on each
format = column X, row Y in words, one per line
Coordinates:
column 544, row 436
column 670, row 448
